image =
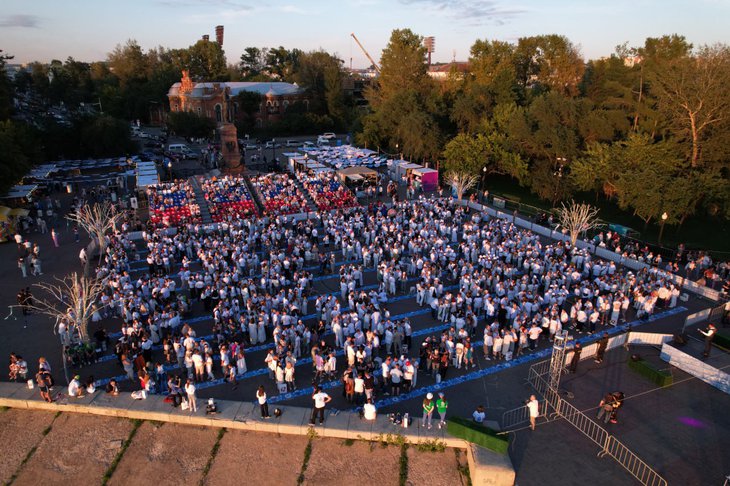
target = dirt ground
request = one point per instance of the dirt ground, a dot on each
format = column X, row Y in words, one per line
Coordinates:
column 334, row 463
column 165, row 454
column 24, row 430
column 78, row 450
column 433, row 467
column 257, row 457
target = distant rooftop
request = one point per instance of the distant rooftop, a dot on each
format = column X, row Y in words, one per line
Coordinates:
column 273, row 88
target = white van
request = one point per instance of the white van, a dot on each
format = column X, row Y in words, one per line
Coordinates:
column 180, row 149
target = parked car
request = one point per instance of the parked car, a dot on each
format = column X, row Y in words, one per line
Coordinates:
column 329, row 135
column 272, row 144
column 250, row 146
column 308, row 145
column 292, row 143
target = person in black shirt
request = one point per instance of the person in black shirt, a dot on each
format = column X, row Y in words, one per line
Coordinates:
column 602, row 345
column 576, row 357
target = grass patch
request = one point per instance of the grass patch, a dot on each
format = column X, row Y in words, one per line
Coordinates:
column 432, row 445
column 4, row 409
column 722, row 340
column 403, row 465
column 647, row 370
column 348, row 442
column 113, row 466
column 305, row 462
column 213, row 453
column 477, row 434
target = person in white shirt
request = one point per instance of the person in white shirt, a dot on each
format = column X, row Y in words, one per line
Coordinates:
column 190, row 391
column 261, row 397
column 534, row 408
column 479, row 414
column 369, row 410
column 320, row 400
column 74, row 388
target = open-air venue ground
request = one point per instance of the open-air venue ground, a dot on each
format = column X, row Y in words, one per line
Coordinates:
column 497, row 386
column 68, row 448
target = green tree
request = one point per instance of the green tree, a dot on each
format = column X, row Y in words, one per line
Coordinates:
column 6, row 89
column 207, row 61
column 253, row 62
column 189, row 124
column 403, row 101
column 549, row 62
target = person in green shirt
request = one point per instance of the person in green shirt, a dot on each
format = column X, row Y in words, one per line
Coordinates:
column 441, row 405
column 428, row 407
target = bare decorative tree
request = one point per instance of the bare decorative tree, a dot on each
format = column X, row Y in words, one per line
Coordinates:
column 97, row 219
column 461, row 182
column 70, row 300
column 577, row 218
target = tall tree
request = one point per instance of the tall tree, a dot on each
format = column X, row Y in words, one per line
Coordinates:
column 549, row 62
column 693, row 96
column 207, row 61
column 403, row 101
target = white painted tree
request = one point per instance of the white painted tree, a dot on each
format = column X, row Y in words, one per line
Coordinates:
column 70, row 300
column 97, row 220
column 460, row 182
column 577, row 218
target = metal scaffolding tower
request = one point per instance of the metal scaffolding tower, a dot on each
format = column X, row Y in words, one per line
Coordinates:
column 557, row 361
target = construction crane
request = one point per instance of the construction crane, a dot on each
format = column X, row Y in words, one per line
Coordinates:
column 375, row 65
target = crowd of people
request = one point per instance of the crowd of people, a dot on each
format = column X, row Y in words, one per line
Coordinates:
column 326, row 191
column 172, row 204
column 255, row 279
column 279, row 194
column 228, row 198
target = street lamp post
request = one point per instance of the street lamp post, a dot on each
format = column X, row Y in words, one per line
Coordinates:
column 169, row 170
column 661, row 227
column 273, row 150
column 558, row 176
column 481, row 185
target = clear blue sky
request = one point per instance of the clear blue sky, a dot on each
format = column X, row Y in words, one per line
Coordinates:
column 87, row 30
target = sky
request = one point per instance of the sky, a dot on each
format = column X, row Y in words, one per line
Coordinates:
column 42, row 30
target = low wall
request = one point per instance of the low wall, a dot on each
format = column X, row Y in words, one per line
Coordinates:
column 496, row 468
column 232, row 414
column 696, row 367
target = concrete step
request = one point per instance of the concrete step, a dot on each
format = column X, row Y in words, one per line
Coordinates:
column 200, row 200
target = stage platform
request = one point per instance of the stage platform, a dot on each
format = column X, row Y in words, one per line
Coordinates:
column 713, row 370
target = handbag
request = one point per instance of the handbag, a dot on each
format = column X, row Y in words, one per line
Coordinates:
column 184, row 405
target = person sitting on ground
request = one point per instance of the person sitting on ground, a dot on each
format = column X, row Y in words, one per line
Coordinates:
column 479, row 414
column 75, row 389
column 369, row 412
column 112, row 388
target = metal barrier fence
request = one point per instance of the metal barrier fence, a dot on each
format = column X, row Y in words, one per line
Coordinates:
column 610, row 446
column 632, row 463
column 521, row 415
column 585, row 425
column 714, row 315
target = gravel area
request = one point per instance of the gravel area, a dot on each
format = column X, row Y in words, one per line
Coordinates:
column 24, row 430
column 334, row 463
column 165, row 454
column 433, row 467
column 259, row 458
column 78, row 450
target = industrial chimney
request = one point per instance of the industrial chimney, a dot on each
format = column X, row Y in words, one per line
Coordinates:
column 219, row 35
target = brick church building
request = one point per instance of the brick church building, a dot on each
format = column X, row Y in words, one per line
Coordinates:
column 217, row 100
